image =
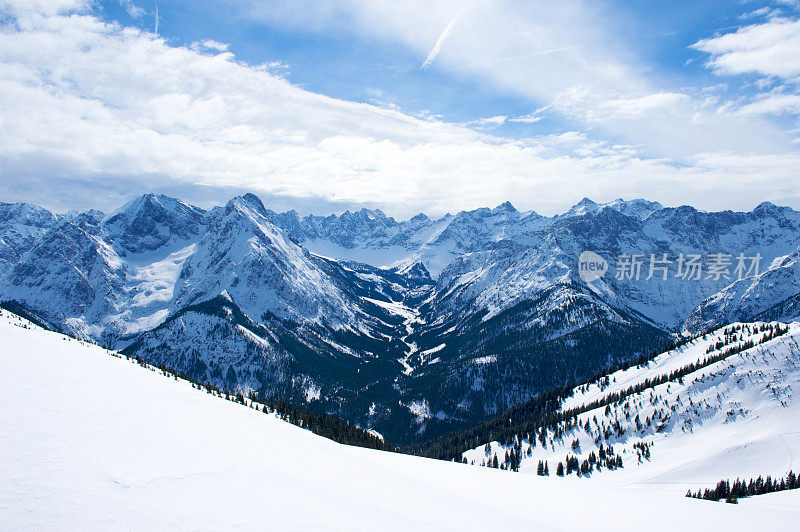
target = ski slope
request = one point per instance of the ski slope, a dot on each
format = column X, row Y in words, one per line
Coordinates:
column 738, row 417
column 92, row 441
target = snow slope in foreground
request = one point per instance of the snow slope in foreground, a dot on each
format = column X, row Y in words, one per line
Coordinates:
column 88, row 440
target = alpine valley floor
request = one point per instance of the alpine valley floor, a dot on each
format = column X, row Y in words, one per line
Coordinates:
column 92, row 441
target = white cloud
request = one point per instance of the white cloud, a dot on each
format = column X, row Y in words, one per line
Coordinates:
column 662, row 102
column 530, row 118
column 527, row 119
column 762, row 12
column 41, row 7
column 775, row 104
column 209, row 44
column 769, row 49
column 88, row 104
column 132, row 9
column 491, row 121
column 574, row 58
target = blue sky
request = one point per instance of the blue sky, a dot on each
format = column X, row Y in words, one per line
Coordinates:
column 539, row 103
column 339, row 61
column 335, row 61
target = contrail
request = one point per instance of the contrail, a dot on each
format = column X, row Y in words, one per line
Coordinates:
column 512, row 57
column 438, row 46
column 156, row 28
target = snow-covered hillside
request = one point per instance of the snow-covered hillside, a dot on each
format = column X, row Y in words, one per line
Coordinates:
column 772, row 295
column 729, row 410
column 92, row 441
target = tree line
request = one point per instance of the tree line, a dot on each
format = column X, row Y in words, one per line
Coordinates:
column 524, row 421
column 320, row 423
column 740, row 488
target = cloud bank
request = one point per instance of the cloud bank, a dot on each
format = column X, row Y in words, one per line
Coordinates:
column 93, row 113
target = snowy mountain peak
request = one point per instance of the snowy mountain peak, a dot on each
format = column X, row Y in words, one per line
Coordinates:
column 583, row 207
column 25, row 213
column 636, row 208
column 366, row 217
column 152, row 221
column 21, row 225
column 505, row 207
column 259, row 268
column 249, row 203
column 373, row 214
column 770, row 209
column 92, row 217
column 143, row 204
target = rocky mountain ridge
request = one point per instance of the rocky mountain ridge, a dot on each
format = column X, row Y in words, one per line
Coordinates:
column 409, row 327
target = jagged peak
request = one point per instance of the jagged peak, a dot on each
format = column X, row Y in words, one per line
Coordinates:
column 92, row 213
column 685, row 209
column 150, row 202
column 248, row 202
column 638, row 207
column 583, row 207
column 372, row 214
column 28, row 211
column 767, row 207
column 148, row 199
column 504, row 207
column 292, row 215
column 480, row 212
column 415, row 270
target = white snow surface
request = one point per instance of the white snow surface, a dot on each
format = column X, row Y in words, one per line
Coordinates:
column 93, row 441
column 735, row 418
column 379, row 257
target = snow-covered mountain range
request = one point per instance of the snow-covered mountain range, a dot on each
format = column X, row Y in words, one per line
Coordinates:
column 408, row 327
